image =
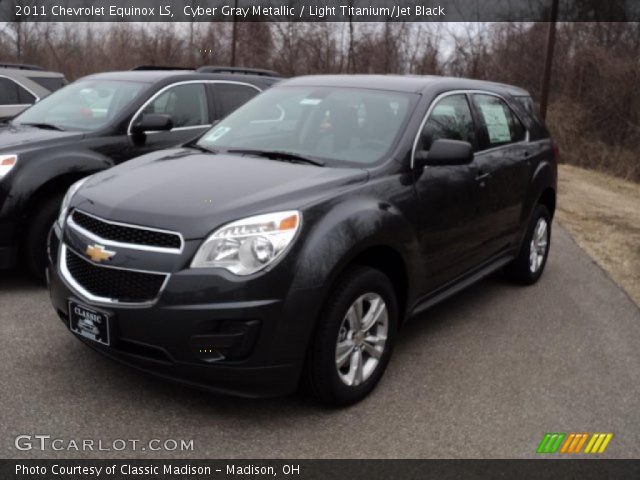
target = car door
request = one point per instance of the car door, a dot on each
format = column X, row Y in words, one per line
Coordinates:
column 448, row 204
column 228, row 96
column 188, row 105
column 503, row 161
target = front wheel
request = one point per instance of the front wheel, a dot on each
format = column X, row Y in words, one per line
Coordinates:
column 35, row 245
column 354, row 338
column 528, row 266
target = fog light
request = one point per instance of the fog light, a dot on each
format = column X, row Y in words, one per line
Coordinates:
column 225, row 340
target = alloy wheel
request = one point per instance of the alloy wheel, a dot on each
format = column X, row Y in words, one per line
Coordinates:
column 539, row 244
column 361, row 339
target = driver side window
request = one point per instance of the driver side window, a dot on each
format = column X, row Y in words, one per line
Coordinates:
column 187, row 105
column 450, row 119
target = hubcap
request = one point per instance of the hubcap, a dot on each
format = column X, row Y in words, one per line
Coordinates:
column 539, row 244
column 361, row 339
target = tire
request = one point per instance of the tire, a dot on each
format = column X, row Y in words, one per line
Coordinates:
column 35, row 245
column 523, row 269
column 329, row 383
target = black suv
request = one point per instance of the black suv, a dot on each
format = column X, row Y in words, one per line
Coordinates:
column 297, row 235
column 97, row 122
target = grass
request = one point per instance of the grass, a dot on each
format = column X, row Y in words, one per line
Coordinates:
column 602, row 213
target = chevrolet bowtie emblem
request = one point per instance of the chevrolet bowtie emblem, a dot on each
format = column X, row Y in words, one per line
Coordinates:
column 98, row 253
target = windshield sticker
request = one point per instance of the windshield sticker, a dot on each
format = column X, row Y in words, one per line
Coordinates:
column 310, row 101
column 217, row 133
column 497, row 123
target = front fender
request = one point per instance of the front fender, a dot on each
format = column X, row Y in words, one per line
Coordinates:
column 48, row 169
column 344, row 230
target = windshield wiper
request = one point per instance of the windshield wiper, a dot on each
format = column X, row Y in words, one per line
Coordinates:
column 46, row 126
column 279, row 155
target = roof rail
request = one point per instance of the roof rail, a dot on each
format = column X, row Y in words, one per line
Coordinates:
column 238, row 70
column 159, row 67
column 21, row 66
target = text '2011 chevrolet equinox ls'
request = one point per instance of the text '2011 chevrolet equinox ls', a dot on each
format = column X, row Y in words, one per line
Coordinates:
column 291, row 241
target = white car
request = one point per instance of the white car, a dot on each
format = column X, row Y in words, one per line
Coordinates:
column 23, row 85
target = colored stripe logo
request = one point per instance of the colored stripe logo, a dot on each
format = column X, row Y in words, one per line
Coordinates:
column 574, row 443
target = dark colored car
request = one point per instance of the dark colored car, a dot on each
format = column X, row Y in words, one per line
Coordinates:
column 95, row 123
column 293, row 240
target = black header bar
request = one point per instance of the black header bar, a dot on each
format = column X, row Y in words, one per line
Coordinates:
column 318, row 469
column 315, row 10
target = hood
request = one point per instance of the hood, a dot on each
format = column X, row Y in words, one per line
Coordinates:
column 195, row 193
column 14, row 138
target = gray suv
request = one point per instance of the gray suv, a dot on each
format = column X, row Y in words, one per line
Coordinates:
column 23, row 85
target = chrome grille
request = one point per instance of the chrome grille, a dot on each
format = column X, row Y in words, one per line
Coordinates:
column 109, row 284
column 126, row 234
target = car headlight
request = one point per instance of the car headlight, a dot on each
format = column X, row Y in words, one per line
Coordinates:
column 246, row 246
column 67, row 200
column 7, row 162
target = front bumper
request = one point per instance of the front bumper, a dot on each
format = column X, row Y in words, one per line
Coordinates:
column 243, row 341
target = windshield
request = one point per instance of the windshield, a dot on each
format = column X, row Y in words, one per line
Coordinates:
column 338, row 125
column 85, row 105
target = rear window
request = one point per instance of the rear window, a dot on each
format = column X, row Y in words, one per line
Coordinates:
column 50, row 83
column 501, row 125
column 13, row 94
column 528, row 104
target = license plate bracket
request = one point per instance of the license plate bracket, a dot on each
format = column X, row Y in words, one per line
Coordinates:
column 89, row 322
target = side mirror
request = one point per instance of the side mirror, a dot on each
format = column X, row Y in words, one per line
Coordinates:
column 150, row 122
column 444, row 152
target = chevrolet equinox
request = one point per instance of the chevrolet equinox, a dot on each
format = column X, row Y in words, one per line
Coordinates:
column 289, row 243
column 94, row 123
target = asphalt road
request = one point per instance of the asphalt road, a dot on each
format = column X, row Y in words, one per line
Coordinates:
column 485, row 374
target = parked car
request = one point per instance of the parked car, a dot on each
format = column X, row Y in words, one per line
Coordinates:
column 23, row 85
column 95, row 123
column 296, row 236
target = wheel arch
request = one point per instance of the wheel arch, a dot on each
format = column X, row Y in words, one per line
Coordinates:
column 42, row 178
column 541, row 189
column 54, row 186
column 392, row 264
column 361, row 233
column 548, row 199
